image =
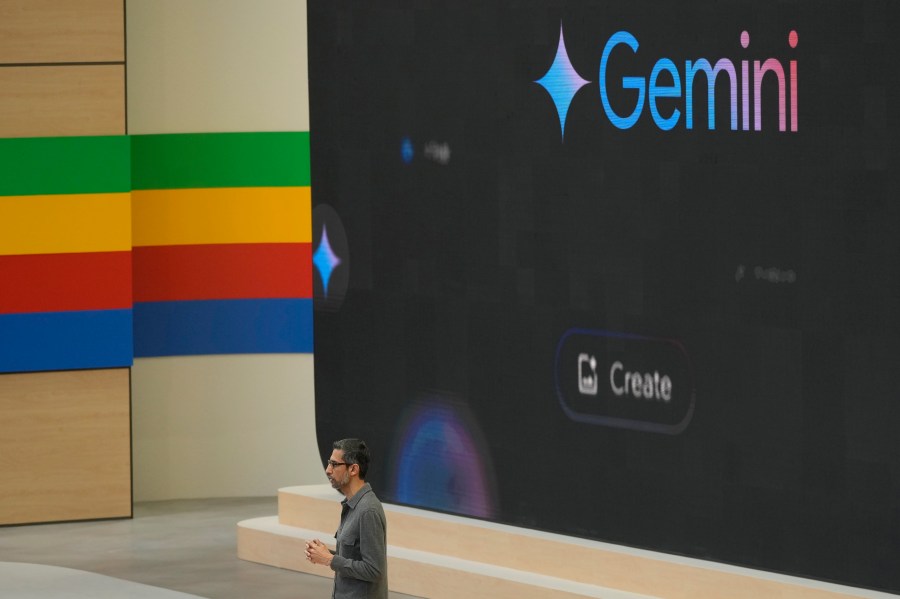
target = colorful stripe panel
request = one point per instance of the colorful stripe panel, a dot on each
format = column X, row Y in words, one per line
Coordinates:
column 222, row 215
column 223, row 271
column 221, row 260
column 54, row 224
column 65, row 282
column 65, row 165
column 65, row 254
column 223, row 327
column 198, row 160
column 222, row 236
column 66, row 340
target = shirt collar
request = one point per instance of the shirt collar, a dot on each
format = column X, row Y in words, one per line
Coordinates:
column 355, row 499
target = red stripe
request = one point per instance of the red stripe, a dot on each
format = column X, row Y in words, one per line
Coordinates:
column 222, row 271
column 65, row 282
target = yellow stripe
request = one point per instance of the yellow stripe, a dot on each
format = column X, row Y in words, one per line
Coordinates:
column 61, row 224
column 222, row 215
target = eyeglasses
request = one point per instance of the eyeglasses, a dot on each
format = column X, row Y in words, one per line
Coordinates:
column 334, row 464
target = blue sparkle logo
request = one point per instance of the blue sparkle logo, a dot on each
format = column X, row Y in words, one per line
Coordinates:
column 407, row 150
column 562, row 82
column 325, row 260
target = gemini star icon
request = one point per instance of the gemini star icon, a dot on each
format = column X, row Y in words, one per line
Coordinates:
column 562, row 82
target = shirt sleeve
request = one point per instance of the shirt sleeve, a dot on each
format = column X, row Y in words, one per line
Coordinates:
column 373, row 550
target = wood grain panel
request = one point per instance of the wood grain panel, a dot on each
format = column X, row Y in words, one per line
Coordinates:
column 62, row 101
column 65, row 446
column 53, row 31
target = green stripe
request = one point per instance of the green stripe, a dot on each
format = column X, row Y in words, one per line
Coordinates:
column 64, row 165
column 198, row 160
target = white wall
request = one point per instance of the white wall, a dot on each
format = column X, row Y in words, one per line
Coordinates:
column 216, row 65
column 223, row 426
column 207, row 426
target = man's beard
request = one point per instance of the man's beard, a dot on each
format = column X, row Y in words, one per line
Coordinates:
column 337, row 484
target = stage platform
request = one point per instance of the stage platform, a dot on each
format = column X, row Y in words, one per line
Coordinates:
column 440, row 556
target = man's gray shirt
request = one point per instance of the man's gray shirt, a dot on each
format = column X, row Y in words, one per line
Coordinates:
column 360, row 559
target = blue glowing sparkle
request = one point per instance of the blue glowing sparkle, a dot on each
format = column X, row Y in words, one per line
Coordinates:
column 325, row 260
column 562, row 82
column 407, row 151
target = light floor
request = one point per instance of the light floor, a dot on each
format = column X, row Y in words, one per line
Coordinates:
column 188, row 546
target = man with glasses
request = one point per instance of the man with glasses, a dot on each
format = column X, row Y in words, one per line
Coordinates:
column 359, row 560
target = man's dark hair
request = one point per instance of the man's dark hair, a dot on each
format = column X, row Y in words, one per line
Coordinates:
column 355, row 452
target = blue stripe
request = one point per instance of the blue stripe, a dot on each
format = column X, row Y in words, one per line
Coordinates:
column 65, row 340
column 188, row 328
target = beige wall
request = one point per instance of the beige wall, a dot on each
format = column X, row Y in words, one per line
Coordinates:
column 207, row 426
column 222, row 426
column 216, row 65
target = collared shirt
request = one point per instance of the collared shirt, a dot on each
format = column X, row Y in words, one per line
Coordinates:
column 360, row 559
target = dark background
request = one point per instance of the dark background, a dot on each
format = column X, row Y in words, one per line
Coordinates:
column 464, row 276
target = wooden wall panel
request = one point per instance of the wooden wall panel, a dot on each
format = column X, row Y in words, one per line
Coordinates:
column 54, row 31
column 60, row 101
column 65, row 446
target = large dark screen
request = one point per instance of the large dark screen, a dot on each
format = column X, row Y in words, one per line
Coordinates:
column 621, row 270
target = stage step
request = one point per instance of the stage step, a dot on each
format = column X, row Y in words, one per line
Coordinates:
column 420, row 573
column 443, row 556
